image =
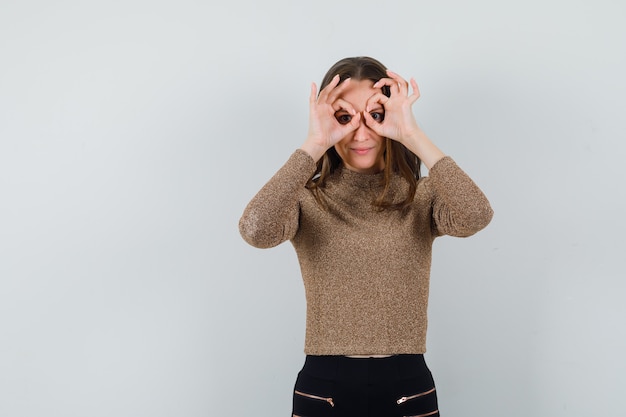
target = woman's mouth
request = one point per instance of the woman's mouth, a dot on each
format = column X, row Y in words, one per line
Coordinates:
column 361, row 151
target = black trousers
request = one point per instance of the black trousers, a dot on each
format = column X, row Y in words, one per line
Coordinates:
column 338, row 386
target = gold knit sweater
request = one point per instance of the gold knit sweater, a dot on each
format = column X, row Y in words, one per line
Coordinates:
column 366, row 272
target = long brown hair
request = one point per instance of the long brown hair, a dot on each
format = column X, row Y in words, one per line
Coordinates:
column 398, row 159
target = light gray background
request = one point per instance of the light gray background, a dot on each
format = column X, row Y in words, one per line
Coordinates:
column 133, row 133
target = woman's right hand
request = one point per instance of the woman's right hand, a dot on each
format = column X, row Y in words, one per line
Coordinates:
column 324, row 129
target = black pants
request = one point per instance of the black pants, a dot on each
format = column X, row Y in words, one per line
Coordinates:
column 338, row 386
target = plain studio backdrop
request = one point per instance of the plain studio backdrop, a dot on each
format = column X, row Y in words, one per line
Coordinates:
column 133, row 133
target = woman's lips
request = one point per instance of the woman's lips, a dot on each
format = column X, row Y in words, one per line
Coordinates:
column 361, row 151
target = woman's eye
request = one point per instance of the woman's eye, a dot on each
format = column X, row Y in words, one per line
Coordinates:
column 344, row 119
column 379, row 117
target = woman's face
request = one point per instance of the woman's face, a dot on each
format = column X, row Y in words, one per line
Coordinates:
column 362, row 150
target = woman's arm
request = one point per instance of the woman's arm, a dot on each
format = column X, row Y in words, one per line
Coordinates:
column 399, row 123
column 459, row 207
column 272, row 215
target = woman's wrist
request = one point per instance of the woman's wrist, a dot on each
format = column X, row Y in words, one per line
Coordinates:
column 421, row 145
column 315, row 151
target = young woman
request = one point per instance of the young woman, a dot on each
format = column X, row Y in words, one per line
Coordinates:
column 362, row 220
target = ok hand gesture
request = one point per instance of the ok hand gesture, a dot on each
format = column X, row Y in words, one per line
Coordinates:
column 324, row 129
column 399, row 123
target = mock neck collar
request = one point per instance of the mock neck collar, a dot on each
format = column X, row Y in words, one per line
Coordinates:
column 358, row 179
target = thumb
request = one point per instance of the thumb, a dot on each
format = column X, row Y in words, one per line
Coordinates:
column 354, row 124
column 373, row 124
column 355, row 121
column 349, row 127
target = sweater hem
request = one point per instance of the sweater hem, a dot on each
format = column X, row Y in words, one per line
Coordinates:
column 416, row 350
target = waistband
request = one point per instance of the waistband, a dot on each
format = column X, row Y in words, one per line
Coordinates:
column 346, row 368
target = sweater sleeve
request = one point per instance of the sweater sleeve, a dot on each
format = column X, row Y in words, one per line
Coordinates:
column 459, row 207
column 272, row 216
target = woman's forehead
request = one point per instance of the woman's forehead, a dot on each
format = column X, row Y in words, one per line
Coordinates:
column 358, row 92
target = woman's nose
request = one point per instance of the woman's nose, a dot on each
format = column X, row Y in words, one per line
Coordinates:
column 361, row 132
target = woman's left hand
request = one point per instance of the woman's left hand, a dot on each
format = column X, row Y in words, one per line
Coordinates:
column 399, row 122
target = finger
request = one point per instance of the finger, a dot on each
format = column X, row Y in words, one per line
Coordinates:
column 326, row 90
column 313, row 95
column 416, row 91
column 390, row 82
column 379, row 98
column 402, row 83
column 341, row 104
column 349, row 127
column 337, row 91
column 376, row 126
column 394, row 86
column 354, row 123
column 396, row 83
